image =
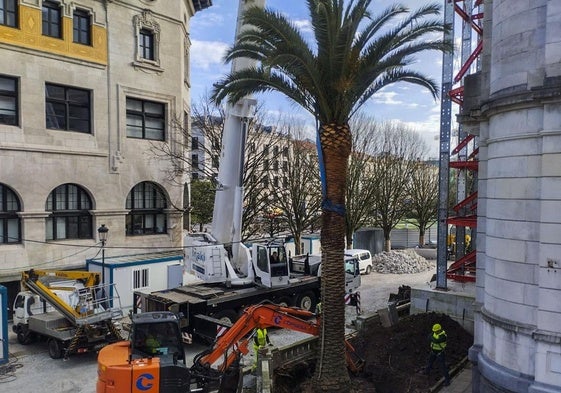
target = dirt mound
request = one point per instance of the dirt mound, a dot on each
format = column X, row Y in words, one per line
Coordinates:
column 394, row 357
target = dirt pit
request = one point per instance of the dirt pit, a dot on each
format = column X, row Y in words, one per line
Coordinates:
column 394, row 357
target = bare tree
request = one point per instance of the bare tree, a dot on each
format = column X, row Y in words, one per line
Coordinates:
column 398, row 150
column 423, row 198
column 361, row 176
column 257, row 177
column 195, row 148
column 298, row 194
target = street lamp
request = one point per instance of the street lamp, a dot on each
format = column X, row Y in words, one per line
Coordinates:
column 102, row 232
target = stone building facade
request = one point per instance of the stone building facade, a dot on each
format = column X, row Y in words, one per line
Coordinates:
column 87, row 89
column 514, row 105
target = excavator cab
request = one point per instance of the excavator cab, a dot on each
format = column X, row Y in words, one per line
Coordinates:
column 152, row 360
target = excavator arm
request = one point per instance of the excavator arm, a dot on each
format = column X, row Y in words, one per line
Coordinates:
column 236, row 339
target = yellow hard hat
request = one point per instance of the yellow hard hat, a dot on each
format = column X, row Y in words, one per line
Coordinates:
column 436, row 327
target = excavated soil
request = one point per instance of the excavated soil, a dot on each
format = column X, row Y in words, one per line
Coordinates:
column 394, row 358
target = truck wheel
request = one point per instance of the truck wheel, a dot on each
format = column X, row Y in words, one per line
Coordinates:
column 284, row 301
column 55, row 348
column 368, row 269
column 24, row 337
column 306, row 301
column 226, row 316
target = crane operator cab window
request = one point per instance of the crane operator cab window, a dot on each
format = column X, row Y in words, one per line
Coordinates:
column 279, row 265
column 160, row 339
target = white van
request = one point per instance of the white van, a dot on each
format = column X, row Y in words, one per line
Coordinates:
column 364, row 258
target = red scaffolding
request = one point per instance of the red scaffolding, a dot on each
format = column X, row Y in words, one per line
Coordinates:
column 464, row 268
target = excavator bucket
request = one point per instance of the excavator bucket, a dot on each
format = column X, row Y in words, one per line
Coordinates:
column 355, row 363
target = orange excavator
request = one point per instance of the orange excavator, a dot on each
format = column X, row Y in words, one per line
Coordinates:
column 136, row 367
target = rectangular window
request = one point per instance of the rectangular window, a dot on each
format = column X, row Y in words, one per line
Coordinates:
column 194, row 161
column 67, row 108
column 8, row 100
column 195, row 143
column 8, row 13
column 146, row 38
column 145, row 119
column 140, row 278
column 52, row 22
column 82, row 27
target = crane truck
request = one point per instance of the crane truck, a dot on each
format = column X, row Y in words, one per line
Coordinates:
column 233, row 275
column 133, row 366
column 70, row 309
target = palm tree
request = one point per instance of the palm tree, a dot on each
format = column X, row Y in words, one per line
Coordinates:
column 352, row 56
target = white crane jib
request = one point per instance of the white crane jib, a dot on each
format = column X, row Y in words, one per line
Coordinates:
column 228, row 203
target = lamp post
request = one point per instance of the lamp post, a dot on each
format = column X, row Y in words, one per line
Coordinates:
column 102, row 232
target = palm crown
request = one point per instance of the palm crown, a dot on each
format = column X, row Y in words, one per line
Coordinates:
column 355, row 54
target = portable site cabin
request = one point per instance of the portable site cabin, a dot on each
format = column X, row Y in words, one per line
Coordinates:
column 3, row 325
column 147, row 272
column 310, row 245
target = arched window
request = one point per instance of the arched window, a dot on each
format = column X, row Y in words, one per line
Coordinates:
column 10, row 223
column 146, row 203
column 70, row 218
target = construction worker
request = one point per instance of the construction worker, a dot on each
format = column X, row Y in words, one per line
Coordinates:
column 260, row 339
column 437, row 352
column 152, row 344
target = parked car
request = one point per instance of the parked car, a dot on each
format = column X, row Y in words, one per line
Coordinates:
column 364, row 257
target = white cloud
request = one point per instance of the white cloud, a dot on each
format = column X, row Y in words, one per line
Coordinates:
column 304, row 25
column 205, row 54
column 209, row 19
column 386, row 98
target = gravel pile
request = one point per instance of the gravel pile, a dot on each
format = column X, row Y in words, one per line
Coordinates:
column 400, row 262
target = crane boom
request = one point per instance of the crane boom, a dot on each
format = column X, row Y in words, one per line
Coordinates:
column 227, row 214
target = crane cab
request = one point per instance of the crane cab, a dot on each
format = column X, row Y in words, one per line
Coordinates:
column 270, row 263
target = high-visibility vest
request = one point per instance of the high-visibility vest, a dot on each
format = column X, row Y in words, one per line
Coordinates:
column 261, row 337
column 438, row 341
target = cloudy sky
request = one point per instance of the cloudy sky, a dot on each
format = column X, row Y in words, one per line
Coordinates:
column 212, row 31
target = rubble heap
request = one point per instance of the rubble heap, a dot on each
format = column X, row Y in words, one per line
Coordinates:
column 400, row 262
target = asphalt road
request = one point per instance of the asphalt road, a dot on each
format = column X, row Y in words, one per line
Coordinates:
column 33, row 371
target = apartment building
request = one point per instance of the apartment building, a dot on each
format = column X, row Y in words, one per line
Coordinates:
column 88, row 88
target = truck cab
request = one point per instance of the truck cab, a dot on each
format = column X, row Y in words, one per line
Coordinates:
column 27, row 304
column 271, row 265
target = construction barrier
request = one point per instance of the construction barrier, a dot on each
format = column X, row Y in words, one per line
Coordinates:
column 353, row 299
column 3, row 324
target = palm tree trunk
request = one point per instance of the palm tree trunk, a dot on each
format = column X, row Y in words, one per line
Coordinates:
column 331, row 372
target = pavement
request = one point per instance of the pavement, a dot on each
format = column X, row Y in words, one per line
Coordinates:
column 460, row 383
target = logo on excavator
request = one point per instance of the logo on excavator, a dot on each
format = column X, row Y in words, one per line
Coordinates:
column 143, row 382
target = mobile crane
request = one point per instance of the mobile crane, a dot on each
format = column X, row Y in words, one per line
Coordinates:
column 70, row 309
column 129, row 366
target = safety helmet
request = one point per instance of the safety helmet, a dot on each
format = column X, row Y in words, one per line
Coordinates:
column 436, row 327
